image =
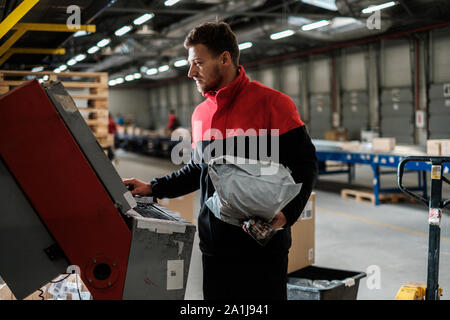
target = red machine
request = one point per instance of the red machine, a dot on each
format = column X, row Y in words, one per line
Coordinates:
column 49, row 155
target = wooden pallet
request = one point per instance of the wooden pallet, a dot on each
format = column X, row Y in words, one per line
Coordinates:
column 368, row 196
column 96, row 110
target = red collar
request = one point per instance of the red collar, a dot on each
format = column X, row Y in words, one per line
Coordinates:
column 226, row 95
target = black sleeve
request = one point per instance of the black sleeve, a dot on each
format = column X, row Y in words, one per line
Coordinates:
column 178, row 183
column 299, row 154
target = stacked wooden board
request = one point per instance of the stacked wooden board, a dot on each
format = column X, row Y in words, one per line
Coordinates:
column 89, row 91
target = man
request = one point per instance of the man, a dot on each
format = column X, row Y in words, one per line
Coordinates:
column 173, row 122
column 235, row 266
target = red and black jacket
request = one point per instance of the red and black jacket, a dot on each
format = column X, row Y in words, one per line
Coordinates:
column 232, row 115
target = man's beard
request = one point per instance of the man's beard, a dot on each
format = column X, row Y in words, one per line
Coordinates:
column 213, row 85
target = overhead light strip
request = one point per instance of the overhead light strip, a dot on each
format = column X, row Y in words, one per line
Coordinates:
column 281, row 34
column 379, row 7
column 315, row 25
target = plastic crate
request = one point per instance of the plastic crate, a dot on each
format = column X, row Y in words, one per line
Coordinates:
column 346, row 289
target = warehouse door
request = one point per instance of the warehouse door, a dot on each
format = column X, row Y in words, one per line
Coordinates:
column 319, row 99
column 354, row 96
column 355, row 113
column 439, row 111
column 397, row 114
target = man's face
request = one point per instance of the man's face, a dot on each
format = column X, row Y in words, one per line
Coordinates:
column 205, row 69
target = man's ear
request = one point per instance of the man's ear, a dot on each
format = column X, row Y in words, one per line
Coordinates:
column 225, row 58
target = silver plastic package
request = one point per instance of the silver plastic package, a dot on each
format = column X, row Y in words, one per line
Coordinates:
column 245, row 190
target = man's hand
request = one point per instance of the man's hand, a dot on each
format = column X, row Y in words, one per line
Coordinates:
column 278, row 221
column 138, row 187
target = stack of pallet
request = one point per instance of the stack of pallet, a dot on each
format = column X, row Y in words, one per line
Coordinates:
column 89, row 91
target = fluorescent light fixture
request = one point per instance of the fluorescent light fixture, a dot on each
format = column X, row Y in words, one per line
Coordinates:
column 245, row 45
column 80, row 57
column 379, row 7
column 71, row 62
column 56, row 70
column 180, row 63
column 93, row 49
column 37, row 69
column 325, row 4
column 281, row 34
column 163, row 68
column 144, row 18
column 80, row 33
column 137, row 75
column 151, row 71
column 122, row 31
column 102, row 43
column 45, row 77
column 119, row 80
column 315, row 25
column 143, row 69
column 62, row 67
column 169, row 3
column 112, row 83
column 129, row 77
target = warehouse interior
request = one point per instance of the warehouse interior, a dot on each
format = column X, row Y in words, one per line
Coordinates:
column 370, row 80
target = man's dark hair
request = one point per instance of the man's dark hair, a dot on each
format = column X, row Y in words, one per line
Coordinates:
column 217, row 37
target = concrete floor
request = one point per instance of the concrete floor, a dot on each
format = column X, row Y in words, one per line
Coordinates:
column 388, row 241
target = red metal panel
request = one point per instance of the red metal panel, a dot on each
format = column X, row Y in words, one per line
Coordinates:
column 61, row 185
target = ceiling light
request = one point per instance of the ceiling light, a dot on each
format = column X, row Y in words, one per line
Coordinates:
column 112, row 83
column 315, row 25
column 62, row 67
column 163, row 68
column 119, row 80
column 281, row 34
column 144, row 18
column 80, row 57
column 151, row 71
column 103, row 42
column 37, row 69
column 129, row 77
column 93, row 49
column 71, row 62
column 379, row 7
column 169, row 3
column 326, row 4
column 80, row 33
column 45, row 77
column 180, row 63
column 56, row 70
column 122, row 31
column 245, row 45
column 137, row 75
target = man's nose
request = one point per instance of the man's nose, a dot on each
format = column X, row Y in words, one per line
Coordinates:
column 192, row 71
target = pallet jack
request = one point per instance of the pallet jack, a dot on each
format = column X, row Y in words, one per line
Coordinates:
column 430, row 290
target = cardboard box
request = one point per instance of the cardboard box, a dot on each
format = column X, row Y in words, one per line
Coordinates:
column 433, row 147
column 302, row 251
column 336, row 135
column 368, row 136
column 351, row 145
column 184, row 206
column 445, row 148
column 383, row 144
column 438, row 147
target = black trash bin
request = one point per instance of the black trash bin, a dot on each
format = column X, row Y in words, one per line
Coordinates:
column 346, row 288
